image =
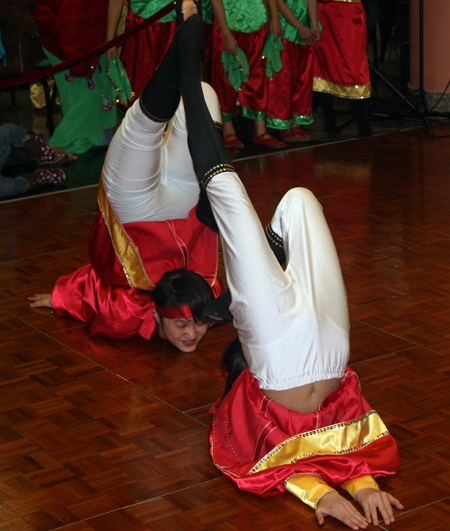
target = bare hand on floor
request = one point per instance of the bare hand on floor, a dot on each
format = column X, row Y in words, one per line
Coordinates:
column 41, row 300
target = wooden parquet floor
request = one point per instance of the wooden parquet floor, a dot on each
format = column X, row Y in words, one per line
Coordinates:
column 109, row 435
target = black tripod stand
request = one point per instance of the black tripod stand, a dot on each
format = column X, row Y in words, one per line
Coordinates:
column 419, row 110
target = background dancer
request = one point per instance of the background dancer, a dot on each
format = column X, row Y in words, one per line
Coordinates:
column 294, row 419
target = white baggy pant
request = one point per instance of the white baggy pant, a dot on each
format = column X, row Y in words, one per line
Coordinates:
column 149, row 177
column 293, row 324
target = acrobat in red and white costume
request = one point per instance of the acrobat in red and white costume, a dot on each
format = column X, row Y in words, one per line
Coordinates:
column 294, row 329
column 293, row 326
column 145, row 226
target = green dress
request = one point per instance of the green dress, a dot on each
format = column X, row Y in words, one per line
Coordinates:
column 245, row 16
column 84, row 118
column 146, row 8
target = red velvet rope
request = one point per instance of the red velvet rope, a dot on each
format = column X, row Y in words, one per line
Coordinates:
column 95, row 52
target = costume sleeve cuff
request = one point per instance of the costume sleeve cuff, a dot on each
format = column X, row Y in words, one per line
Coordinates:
column 352, row 486
column 58, row 301
column 308, row 487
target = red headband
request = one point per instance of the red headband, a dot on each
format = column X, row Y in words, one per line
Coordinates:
column 174, row 312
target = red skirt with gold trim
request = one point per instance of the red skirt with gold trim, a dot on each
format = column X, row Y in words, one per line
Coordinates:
column 341, row 66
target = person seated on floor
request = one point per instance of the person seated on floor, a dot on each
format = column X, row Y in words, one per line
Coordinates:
column 15, row 136
column 294, row 419
column 153, row 263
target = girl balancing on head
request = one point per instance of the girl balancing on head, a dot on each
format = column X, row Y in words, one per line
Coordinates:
column 153, row 263
column 293, row 418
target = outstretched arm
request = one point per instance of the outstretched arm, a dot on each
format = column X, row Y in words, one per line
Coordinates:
column 41, row 300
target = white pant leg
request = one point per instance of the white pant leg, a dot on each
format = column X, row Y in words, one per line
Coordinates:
column 311, row 257
column 132, row 166
column 148, row 178
column 293, row 325
column 179, row 183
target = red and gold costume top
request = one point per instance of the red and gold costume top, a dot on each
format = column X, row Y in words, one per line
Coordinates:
column 112, row 294
column 266, row 448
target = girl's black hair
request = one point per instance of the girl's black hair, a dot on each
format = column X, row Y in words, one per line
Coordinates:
column 182, row 287
column 233, row 363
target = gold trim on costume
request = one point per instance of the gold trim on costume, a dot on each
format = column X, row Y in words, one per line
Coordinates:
column 118, row 100
column 337, row 439
column 215, row 170
column 273, row 237
column 218, row 125
column 347, row 1
column 356, row 92
column 125, row 249
column 216, row 273
column 150, row 116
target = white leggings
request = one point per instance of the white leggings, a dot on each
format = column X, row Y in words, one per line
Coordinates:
column 293, row 324
column 149, row 177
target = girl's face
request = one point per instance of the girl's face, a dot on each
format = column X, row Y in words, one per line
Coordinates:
column 183, row 333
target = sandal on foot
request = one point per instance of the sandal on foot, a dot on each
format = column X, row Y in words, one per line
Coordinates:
column 50, row 176
column 231, row 141
column 269, row 141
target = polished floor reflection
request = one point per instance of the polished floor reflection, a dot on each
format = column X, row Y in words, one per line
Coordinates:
column 98, row 434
